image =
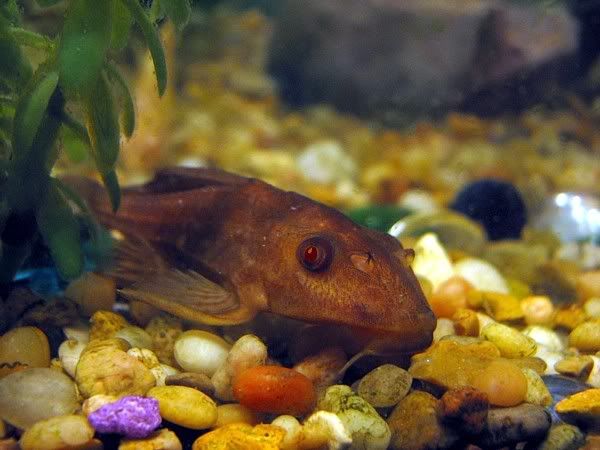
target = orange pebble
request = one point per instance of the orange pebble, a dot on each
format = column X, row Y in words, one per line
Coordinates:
column 450, row 296
column 274, row 389
column 503, row 382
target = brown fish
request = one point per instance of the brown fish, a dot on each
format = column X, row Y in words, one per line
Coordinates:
column 217, row 248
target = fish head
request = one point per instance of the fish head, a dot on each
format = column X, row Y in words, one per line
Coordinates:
column 329, row 269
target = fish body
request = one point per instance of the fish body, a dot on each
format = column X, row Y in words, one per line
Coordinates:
column 217, row 248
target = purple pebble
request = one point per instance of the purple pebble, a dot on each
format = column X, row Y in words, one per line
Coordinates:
column 133, row 416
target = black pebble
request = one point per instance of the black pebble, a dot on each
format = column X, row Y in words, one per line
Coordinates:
column 496, row 204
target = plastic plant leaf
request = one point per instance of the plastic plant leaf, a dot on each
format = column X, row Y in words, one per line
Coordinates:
column 152, row 40
column 76, row 149
column 30, row 110
column 60, row 230
column 121, row 25
column 13, row 67
column 85, row 39
column 111, row 183
column 103, row 125
column 177, row 10
column 46, row 3
column 128, row 113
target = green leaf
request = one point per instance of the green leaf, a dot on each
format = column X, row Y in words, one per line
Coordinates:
column 30, row 110
column 13, row 67
column 60, row 230
column 121, row 26
column 46, row 3
column 76, row 149
column 152, row 40
column 103, row 125
column 111, row 183
column 128, row 114
column 85, row 39
column 177, row 10
column 10, row 11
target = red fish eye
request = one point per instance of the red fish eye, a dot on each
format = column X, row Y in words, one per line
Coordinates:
column 315, row 253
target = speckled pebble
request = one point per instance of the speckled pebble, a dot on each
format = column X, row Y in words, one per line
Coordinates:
column 105, row 324
column 510, row 342
column 563, row 437
column 136, row 336
column 160, row 440
column 537, row 392
column 465, row 409
column 131, row 416
column 164, row 331
column 58, row 433
column 185, row 406
column 385, row 386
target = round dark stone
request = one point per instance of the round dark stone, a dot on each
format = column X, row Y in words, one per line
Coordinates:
column 496, row 204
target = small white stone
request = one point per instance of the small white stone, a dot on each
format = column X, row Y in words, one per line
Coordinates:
column 136, row 336
column 200, row 351
column 592, row 308
column 161, row 372
column 147, row 357
column 419, row 201
column 69, row 353
column 431, row 260
column 549, row 357
column 79, row 333
column 481, row 274
column 326, row 162
column 324, row 423
column 594, row 377
column 444, row 327
column 293, row 431
column 545, row 336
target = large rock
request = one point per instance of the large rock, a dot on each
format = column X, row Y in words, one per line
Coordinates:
column 397, row 59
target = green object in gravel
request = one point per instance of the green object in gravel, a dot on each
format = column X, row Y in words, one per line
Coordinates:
column 378, row 217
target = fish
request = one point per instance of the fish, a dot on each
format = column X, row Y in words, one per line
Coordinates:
column 217, row 248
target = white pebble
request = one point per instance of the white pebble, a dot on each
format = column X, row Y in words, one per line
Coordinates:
column 136, row 336
column 200, row 351
column 444, row 327
column 69, row 353
column 326, row 162
column 419, row 201
column 161, row 372
column 545, row 336
column 592, row 308
column 431, row 260
column 79, row 333
column 481, row 274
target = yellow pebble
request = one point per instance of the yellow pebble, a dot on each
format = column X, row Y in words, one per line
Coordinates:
column 26, row 346
column 502, row 307
column 241, row 436
column 586, row 336
column 466, row 322
column 185, row 406
column 537, row 310
column 503, row 382
column 161, row 440
column 234, row 412
column 105, row 324
column 510, row 342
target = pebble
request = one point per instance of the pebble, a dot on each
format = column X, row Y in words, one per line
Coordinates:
column 234, row 412
column 563, row 437
column 431, row 260
column 537, row 310
column 443, row 329
column 502, row 307
column 197, row 381
column 466, row 322
column 326, row 162
column 92, row 292
column 592, row 308
column 79, row 332
column 586, row 337
column 482, row 275
column 131, row 416
column 324, row 428
column 36, row 394
column 550, row 358
column 200, row 351
column 323, row 368
column 248, row 351
column 104, row 368
column 570, row 317
column 25, row 345
column 546, row 337
column 241, row 436
column 414, row 424
column 164, row 331
column 508, row 426
column 69, row 353
column 464, row 409
column 104, row 324
column 502, row 382
column 385, row 386
column 274, row 389
column 578, row 366
column 366, row 427
column 582, row 408
column 510, row 342
column 145, row 356
column 95, row 402
column 185, row 406
column 58, row 433
column 450, row 296
column 136, row 336
column 537, row 392
column 588, row 284
column 162, row 372
column 162, row 439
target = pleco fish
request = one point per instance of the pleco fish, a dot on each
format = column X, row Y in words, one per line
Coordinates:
column 217, row 248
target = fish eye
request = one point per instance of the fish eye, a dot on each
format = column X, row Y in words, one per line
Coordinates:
column 315, row 253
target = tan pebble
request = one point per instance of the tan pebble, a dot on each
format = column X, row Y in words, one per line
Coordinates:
column 545, row 337
column 537, row 310
column 104, row 369
column 324, row 367
column 569, row 317
column 241, row 436
column 502, row 307
column 503, row 383
column 465, row 408
column 145, row 356
column 563, row 437
column 586, row 336
column 197, row 381
column 95, row 402
column 69, row 353
column 575, row 366
column 592, row 308
column 234, row 412
column 444, row 327
column 385, row 386
column 537, row 392
column 25, row 345
column 415, row 425
column 466, row 322
column 92, row 292
column 588, row 284
column 538, row 365
column 450, row 296
column 61, row 432
column 136, row 336
column 583, row 407
column 164, row 331
column 160, row 440
column 510, row 342
column 162, row 372
column 105, row 324
column 185, row 406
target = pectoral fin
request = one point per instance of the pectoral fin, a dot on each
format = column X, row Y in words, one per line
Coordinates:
column 189, row 295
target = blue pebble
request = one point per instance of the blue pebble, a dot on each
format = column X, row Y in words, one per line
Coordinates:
column 132, row 416
column 495, row 204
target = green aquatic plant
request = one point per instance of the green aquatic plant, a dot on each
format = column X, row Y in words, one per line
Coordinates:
column 74, row 82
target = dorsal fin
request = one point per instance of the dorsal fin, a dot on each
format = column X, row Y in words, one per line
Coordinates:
column 179, row 179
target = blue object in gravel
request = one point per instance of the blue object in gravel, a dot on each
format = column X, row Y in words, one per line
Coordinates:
column 132, row 416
